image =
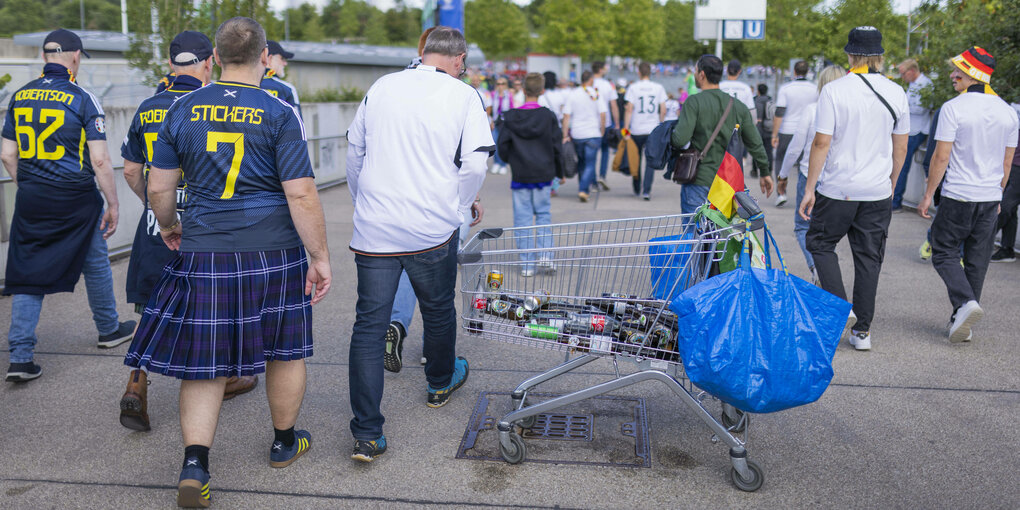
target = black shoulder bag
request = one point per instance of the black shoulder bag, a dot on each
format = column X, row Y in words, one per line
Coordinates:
column 880, row 98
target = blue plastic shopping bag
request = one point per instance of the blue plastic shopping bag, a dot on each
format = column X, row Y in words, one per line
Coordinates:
column 761, row 340
column 668, row 258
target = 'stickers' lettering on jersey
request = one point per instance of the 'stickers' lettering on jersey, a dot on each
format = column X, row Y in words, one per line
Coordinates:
column 44, row 95
column 220, row 113
column 154, row 116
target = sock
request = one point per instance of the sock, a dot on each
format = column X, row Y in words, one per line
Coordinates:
column 197, row 451
column 285, row 436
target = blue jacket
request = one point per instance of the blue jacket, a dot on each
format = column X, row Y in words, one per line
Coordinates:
column 657, row 148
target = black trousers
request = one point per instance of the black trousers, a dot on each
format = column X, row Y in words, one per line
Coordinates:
column 784, row 145
column 1010, row 200
column 971, row 224
column 866, row 226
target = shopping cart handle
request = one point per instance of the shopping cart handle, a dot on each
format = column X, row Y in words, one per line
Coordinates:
column 490, row 233
column 749, row 210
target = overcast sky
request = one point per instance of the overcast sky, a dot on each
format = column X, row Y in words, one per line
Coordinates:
column 901, row 5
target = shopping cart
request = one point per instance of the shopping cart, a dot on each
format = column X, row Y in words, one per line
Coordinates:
column 600, row 289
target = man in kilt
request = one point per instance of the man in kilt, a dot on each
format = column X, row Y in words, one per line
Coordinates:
column 191, row 61
column 237, row 299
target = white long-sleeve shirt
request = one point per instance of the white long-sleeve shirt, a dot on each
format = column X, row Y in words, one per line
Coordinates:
column 415, row 160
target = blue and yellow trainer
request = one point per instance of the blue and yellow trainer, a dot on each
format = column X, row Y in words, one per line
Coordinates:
column 193, row 486
column 438, row 397
column 367, row 451
column 281, row 456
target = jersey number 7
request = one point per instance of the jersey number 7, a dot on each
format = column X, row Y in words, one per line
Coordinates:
column 212, row 140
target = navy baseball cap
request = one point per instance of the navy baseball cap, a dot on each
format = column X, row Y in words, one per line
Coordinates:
column 276, row 49
column 66, row 41
column 190, row 47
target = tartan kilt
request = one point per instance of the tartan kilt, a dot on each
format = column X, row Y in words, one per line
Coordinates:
column 225, row 314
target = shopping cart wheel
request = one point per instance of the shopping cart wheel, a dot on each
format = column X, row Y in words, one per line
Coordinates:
column 749, row 485
column 517, row 451
column 527, row 423
column 735, row 425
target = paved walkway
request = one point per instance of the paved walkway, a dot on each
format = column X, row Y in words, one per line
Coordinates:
column 916, row 422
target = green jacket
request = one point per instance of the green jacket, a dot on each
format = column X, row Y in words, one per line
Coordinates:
column 698, row 117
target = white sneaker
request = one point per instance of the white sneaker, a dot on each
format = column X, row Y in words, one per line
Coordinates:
column 966, row 316
column 780, row 200
column 546, row 264
column 502, row 169
column 850, row 321
column 527, row 273
column 861, row 340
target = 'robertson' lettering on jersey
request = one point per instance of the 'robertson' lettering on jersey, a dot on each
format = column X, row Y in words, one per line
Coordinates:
column 52, row 119
column 235, row 145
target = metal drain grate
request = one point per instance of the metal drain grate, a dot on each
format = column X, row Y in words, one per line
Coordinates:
column 618, row 438
column 566, row 427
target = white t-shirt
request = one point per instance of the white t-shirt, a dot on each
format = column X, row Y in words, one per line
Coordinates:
column 584, row 104
column 646, row 96
column 672, row 109
column 980, row 126
column 920, row 117
column 607, row 93
column 741, row 91
column 859, row 164
column 486, row 97
column 795, row 96
column 800, row 144
column 409, row 190
column 553, row 100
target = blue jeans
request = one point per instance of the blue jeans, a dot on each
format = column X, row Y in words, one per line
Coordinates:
column 604, row 154
column 405, row 300
column 913, row 142
column 495, row 154
column 692, row 197
column 433, row 275
column 800, row 225
column 531, row 207
column 25, row 308
column 587, row 149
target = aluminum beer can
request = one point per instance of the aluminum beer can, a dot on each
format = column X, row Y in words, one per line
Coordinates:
column 533, row 303
column 598, row 323
column 543, row 331
column 495, row 279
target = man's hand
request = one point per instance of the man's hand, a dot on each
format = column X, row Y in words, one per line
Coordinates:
column 781, row 185
column 477, row 211
column 319, row 278
column 922, row 208
column 807, row 205
column 766, row 185
column 775, row 141
column 172, row 238
column 109, row 222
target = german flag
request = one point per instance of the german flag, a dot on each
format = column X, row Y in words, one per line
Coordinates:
column 729, row 179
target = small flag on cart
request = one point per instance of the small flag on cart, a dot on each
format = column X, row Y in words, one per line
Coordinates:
column 729, row 179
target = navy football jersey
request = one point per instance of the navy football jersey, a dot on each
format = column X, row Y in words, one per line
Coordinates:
column 235, row 145
column 281, row 89
column 52, row 118
column 165, row 82
column 148, row 252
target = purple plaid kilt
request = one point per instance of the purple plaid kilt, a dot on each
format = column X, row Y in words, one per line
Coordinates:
column 225, row 314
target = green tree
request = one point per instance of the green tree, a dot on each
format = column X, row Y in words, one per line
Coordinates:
column 793, row 30
column 638, row 29
column 678, row 42
column 18, row 16
column 99, row 14
column 402, row 24
column 304, row 23
column 358, row 21
column 847, row 14
column 499, row 27
column 578, row 27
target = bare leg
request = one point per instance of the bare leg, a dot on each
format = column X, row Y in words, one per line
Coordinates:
column 285, row 388
column 200, row 410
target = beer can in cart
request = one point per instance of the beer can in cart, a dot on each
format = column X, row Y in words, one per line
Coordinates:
column 495, row 279
column 533, row 303
column 543, row 331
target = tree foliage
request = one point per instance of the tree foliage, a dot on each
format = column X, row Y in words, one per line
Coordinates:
column 576, row 27
column 498, row 27
column 638, row 28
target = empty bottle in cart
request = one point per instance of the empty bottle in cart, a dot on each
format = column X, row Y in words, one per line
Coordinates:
column 478, row 305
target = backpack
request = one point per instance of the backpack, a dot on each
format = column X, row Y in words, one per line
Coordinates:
column 770, row 114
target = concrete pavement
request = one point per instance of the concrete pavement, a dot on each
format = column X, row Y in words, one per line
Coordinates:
column 916, row 422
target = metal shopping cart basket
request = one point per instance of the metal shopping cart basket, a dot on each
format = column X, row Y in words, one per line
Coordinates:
column 600, row 289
